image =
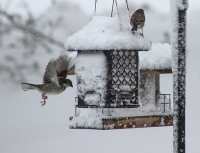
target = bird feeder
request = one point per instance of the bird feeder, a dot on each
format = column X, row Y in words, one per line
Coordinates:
column 108, row 77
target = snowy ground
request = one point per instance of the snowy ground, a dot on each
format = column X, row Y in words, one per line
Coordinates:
column 26, row 127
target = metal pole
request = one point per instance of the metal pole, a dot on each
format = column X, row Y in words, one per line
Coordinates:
column 179, row 83
column 179, row 73
column 164, row 103
column 170, row 102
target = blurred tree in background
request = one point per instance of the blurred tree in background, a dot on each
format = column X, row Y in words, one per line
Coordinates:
column 27, row 42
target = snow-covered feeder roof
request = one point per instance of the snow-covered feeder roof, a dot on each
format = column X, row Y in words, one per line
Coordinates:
column 106, row 33
column 158, row 58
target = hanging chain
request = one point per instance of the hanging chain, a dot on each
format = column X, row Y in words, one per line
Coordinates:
column 127, row 5
column 95, row 6
column 117, row 7
column 115, row 2
column 112, row 8
column 120, row 21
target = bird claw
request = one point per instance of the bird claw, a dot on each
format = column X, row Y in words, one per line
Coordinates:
column 141, row 34
column 43, row 103
column 44, row 97
column 133, row 31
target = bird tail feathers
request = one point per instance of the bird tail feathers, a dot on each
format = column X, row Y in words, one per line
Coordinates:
column 28, row 86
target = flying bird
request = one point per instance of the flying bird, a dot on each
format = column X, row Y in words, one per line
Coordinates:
column 55, row 78
column 137, row 20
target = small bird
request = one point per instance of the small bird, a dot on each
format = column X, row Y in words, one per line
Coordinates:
column 54, row 79
column 137, row 20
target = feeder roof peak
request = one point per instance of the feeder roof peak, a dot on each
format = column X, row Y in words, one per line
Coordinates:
column 107, row 33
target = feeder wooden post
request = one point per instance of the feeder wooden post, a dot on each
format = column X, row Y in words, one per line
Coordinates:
column 179, row 49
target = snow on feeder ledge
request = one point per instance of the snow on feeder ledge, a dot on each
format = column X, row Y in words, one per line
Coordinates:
column 107, row 70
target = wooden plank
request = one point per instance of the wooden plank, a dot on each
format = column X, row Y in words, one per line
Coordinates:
column 137, row 122
column 103, row 50
column 161, row 71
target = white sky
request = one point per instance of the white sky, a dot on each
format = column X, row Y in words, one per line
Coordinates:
column 38, row 6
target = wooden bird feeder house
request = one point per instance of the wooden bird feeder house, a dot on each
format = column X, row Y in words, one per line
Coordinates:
column 117, row 83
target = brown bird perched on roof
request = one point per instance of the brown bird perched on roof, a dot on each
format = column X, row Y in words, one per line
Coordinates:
column 137, row 20
column 54, row 79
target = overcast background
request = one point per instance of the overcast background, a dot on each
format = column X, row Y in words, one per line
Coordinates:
column 38, row 6
column 25, row 127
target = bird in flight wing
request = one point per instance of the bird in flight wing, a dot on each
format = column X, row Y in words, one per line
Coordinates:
column 55, row 77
